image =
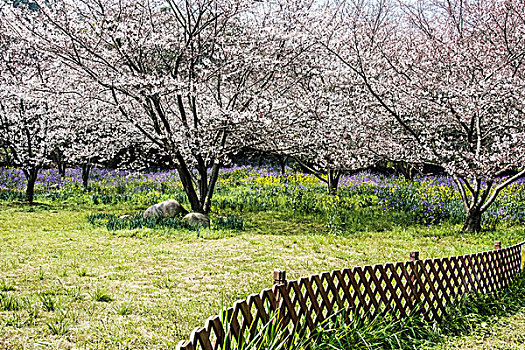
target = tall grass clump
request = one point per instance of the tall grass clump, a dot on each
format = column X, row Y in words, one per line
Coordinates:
column 10, row 302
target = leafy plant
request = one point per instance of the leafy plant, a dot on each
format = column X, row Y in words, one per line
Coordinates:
column 101, row 295
column 4, row 287
column 60, row 323
column 49, row 303
column 9, row 302
column 40, row 275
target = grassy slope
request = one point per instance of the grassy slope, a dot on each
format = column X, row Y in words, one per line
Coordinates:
column 164, row 283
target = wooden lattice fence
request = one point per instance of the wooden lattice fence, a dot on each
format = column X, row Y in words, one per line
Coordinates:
column 300, row 305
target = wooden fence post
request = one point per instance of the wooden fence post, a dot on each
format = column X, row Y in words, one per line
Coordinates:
column 414, row 293
column 521, row 257
column 499, row 276
column 279, row 279
column 414, row 255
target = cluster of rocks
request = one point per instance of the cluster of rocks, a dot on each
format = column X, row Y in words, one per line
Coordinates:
column 171, row 208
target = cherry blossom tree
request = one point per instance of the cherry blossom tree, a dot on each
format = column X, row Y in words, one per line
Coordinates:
column 28, row 127
column 96, row 132
column 329, row 136
column 47, row 109
column 194, row 77
column 448, row 81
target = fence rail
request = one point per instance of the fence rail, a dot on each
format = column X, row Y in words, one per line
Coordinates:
column 430, row 284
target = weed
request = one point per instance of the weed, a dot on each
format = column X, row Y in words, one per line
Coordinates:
column 82, row 272
column 388, row 331
column 113, row 222
column 49, row 303
column 59, row 324
column 33, row 314
column 166, row 282
column 123, row 309
column 16, row 320
column 24, row 314
column 467, row 314
column 101, row 295
column 40, row 275
column 74, row 292
column 4, row 287
column 9, row 302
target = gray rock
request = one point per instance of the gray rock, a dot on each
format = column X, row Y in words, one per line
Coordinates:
column 197, row 219
column 167, row 209
column 123, row 217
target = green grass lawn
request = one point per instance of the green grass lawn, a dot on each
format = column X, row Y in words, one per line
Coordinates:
column 507, row 334
column 66, row 283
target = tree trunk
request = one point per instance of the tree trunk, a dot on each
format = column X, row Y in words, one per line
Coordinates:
column 61, row 164
column 206, row 208
column 200, row 201
column 282, row 162
column 31, row 176
column 86, row 169
column 188, row 184
column 333, row 181
column 62, row 170
column 473, row 221
column 407, row 170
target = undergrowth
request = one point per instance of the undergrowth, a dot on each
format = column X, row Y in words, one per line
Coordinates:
column 114, row 222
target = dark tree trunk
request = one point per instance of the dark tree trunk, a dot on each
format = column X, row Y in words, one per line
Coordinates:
column 333, row 181
column 188, row 184
column 86, row 170
column 31, row 176
column 61, row 164
column 472, row 221
column 282, row 163
column 200, row 202
column 407, row 170
column 62, row 170
column 211, row 187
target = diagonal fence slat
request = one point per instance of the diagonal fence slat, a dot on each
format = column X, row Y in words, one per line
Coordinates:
column 295, row 307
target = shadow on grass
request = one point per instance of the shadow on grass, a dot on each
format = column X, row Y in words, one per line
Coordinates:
column 27, row 206
column 287, row 223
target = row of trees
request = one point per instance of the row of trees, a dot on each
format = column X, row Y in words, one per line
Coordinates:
column 338, row 85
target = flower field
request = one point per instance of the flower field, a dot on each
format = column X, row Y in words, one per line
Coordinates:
column 427, row 200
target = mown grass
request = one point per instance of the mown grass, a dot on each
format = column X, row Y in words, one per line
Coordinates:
column 161, row 283
column 506, row 334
